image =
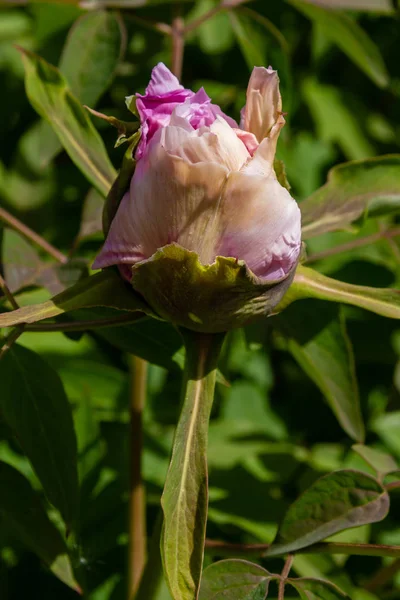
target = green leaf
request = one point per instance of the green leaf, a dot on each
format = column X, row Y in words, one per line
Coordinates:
column 49, row 94
column 335, row 121
column 308, row 283
column 317, row 589
column 33, row 403
column 379, row 6
column 350, row 38
column 381, row 462
column 369, row 186
column 91, row 221
column 317, row 338
column 185, row 497
column 92, row 52
column 234, row 580
column 103, row 289
column 23, row 514
column 337, row 501
column 249, row 38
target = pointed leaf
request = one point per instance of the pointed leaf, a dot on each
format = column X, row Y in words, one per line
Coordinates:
column 308, row 283
column 337, row 501
column 103, row 289
column 381, row 462
column 49, row 94
column 369, row 186
column 23, row 514
column 317, row 338
column 185, row 497
column 350, row 38
column 92, row 51
column 33, row 403
column 234, row 580
column 317, row 589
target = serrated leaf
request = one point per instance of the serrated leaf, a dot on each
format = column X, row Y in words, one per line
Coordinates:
column 336, row 502
column 185, row 496
column 317, row 589
column 350, row 38
column 103, row 289
column 50, row 96
column 370, row 186
column 34, row 405
column 316, row 336
column 381, row 462
column 23, row 514
column 234, row 580
column 308, row 283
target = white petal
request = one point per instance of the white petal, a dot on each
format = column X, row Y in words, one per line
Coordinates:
column 260, row 224
column 263, row 102
column 169, row 201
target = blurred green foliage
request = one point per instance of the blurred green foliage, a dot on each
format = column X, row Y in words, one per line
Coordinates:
column 272, row 431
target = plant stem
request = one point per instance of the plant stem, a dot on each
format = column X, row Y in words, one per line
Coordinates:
column 284, row 576
column 185, row 496
column 32, row 236
column 227, row 549
column 5, row 289
column 10, row 340
column 178, row 46
column 137, row 501
column 358, row 243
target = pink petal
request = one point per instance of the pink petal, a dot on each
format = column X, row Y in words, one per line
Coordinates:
column 263, row 105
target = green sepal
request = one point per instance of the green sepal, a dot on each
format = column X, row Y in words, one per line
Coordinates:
column 280, row 172
column 130, row 102
column 126, row 129
column 207, row 298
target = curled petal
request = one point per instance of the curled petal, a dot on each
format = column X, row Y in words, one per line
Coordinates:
column 170, row 200
column 218, row 144
column 263, row 103
column 261, row 224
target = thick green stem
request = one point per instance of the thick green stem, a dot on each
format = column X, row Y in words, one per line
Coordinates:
column 185, row 496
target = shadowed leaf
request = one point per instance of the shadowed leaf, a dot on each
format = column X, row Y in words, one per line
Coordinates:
column 316, row 589
column 23, row 514
column 337, row 501
column 234, row 580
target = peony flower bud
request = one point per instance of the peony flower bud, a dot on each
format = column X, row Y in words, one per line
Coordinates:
column 206, row 233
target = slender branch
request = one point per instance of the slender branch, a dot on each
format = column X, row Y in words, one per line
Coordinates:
column 228, row 549
column 384, row 575
column 358, row 243
column 284, row 576
column 224, row 5
column 178, row 46
column 10, row 340
column 137, row 501
column 32, row 235
column 153, row 25
column 85, row 325
column 6, row 291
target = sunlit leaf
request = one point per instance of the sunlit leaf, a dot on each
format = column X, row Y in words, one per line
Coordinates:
column 234, row 580
column 50, row 96
column 380, row 461
column 103, row 289
column 33, row 403
column 316, row 589
column 317, row 338
column 369, row 186
column 23, row 514
column 311, row 284
column 337, row 501
column 185, row 497
column 350, row 38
